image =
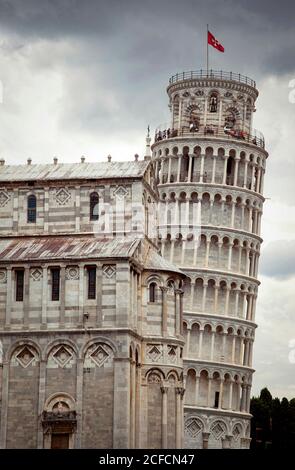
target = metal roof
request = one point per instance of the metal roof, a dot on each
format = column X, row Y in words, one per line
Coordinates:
column 75, row 248
column 156, row 262
column 70, row 171
column 53, row 248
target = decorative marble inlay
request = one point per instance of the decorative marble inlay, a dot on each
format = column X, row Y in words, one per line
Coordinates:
column 99, row 355
column 62, row 356
column 108, row 270
column 154, row 353
column 62, row 196
column 120, row 192
column 4, row 197
column 72, row 272
column 218, row 430
column 3, row 276
column 172, row 353
column 193, row 427
column 36, row 274
column 25, row 356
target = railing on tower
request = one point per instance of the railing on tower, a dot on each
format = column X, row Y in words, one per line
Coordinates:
column 163, row 132
column 218, row 74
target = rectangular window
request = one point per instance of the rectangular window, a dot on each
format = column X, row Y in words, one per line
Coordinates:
column 216, row 401
column 91, row 282
column 19, row 291
column 55, row 279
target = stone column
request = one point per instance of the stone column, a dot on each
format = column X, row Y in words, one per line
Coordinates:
column 77, row 209
column 189, row 177
column 197, row 390
column 192, row 285
column 205, row 436
column 187, row 211
column 202, row 168
column 243, row 216
column 250, row 353
column 262, row 182
column 209, row 391
column 240, row 258
column 81, row 294
column 188, row 340
column 237, row 159
column 169, row 170
column 246, row 173
column 212, row 346
column 4, row 404
column 227, row 300
column 121, row 416
column 242, row 351
column 219, row 254
column 138, row 406
column 179, row 416
column 200, row 344
column 249, row 307
column 213, row 169
column 132, row 403
column 258, row 180
column 207, row 253
column 253, row 178
column 46, row 208
column 44, row 295
column 205, row 285
column 233, row 351
column 181, row 294
column 41, row 402
column 9, row 297
column 224, row 170
column 177, row 312
column 230, row 251
column 230, row 398
column 243, row 399
column 164, row 391
column 79, row 401
column 216, row 289
column 233, row 209
column 245, row 357
column 178, row 168
column 247, row 261
column 26, row 302
column 62, row 296
column 164, row 310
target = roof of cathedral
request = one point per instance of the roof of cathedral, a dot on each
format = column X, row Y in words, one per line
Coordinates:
column 156, row 262
column 65, row 247
column 69, row 171
column 82, row 247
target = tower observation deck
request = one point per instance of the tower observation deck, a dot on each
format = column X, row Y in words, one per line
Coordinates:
column 210, row 165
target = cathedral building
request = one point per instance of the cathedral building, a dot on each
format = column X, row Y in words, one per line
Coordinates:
column 128, row 289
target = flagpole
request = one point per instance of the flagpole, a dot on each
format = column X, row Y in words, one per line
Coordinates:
column 207, row 51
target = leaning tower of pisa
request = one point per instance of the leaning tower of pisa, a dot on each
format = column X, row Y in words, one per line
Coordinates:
column 210, row 165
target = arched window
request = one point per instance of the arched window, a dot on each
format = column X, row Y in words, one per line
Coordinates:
column 32, row 208
column 152, row 292
column 94, row 205
column 213, row 103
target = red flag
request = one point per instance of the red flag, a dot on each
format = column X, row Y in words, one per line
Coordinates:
column 213, row 42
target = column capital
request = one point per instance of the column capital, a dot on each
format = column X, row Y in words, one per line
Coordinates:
column 164, row 389
column 179, row 391
column 164, row 289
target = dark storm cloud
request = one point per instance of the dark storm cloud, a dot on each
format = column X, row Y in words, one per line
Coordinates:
column 165, row 33
column 278, row 260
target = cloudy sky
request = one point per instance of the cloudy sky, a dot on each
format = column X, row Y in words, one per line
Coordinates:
column 88, row 77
